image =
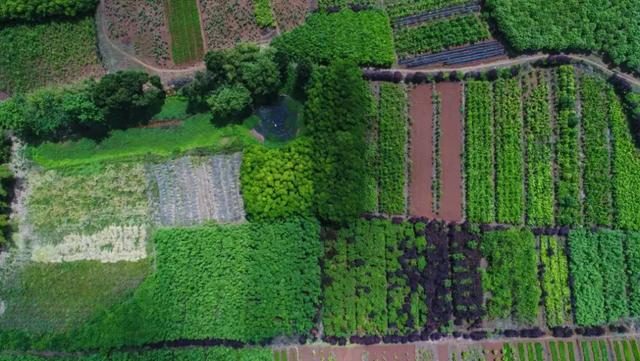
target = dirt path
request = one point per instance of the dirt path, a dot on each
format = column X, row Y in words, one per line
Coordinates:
column 451, row 150
column 421, row 151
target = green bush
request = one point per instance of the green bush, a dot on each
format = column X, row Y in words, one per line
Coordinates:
column 247, row 282
column 439, row 35
column 401, row 8
column 229, row 103
column 278, row 183
column 555, row 282
column 39, row 9
column 264, row 15
column 609, row 27
column 363, row 37
column 49, row 53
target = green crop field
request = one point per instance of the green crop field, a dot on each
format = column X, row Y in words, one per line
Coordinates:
column 184, row 26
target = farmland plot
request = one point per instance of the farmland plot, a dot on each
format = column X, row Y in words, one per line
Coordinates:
column 191, row 190
column 289, row 13
column 228, row 22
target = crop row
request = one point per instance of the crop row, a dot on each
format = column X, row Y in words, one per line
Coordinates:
column 436, row 185
column 539, row 158
column 509, row 152
column 392, row 148
column 511, row 274
column 439, row 35
column 569, row 210
column 401, row 8
column 479, row 152
column 555, row 281
column 597, row 163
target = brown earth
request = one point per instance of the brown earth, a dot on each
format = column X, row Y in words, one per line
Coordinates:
column 492, row 350
column 406, row 352
column 442, row 352
column 421, row 151
column 289, row 13
column 451, row 150
column 228, row 22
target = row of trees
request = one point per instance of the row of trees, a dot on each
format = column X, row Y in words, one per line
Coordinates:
column 93, row 108
column 30, row 10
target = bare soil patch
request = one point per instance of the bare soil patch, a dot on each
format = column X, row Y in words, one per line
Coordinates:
column 451, row 150
column 289, row 13
column 139, row 28
column 421, row 151
column 228, row 22
column 492, row 350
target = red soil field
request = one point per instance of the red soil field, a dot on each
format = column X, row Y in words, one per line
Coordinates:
column 289, row 13
column 442, row 352
column 400, row 352
column 451, row 150
column 492, row 350
column 421, row 151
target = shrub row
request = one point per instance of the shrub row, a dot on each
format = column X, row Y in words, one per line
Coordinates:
column 401, row 8
column 626, row 168
column 478, row 160
column 509, row 152
column 597, row 164
column 539, row 166
column 512, row 274
column 392, row 147
column 439, row 35
column 555, row 282
column 569, row 209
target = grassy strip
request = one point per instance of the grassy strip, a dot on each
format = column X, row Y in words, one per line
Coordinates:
column 569, row 209
column 562, row 351
column 584, row 345
column 626, row 167
column 509, row 153
column 626, row 350
column 597, row 163
column 217, row 353
column 539, row 352
column 439, row 35
column 373, row 161
column 48, row 53
column 616, row 350
column 603, row 350
column 539, row 167
column 572, row 352
column 635, row 350
column 531, row 356
column 184, row 26
column 554, row 350
column 392, row 142
column 597, row 351
column 478, row 168
column 134, row 143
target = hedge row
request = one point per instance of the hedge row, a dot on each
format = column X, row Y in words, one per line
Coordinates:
column 392, row 147
column 509, row 152
column 569, row 208
column 439, row 35
column 597, row 163
column 539, row 158
column 478, row 152
column 30, row 10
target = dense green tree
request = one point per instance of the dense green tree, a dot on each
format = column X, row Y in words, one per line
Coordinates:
column 39, row 9
column 229, row 102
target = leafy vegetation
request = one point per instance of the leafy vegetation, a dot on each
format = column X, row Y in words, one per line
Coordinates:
column 561, row 25
column 198, row 292
column 363, row 37
column 30, row 10
column 264, row 15
column 184, row 26
column 439, row 35
column 539, row 166
column 392, row 147
column 597, row 164
column 478, row 165
column 555, row 282
column 400, row 8
column 278, row 183
column 509, row 152
column 626, row 168
column 512, row 274
column 34, row 55
column 632, row 253
column 569, row 209
column 336, row 114
column 217, row 353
